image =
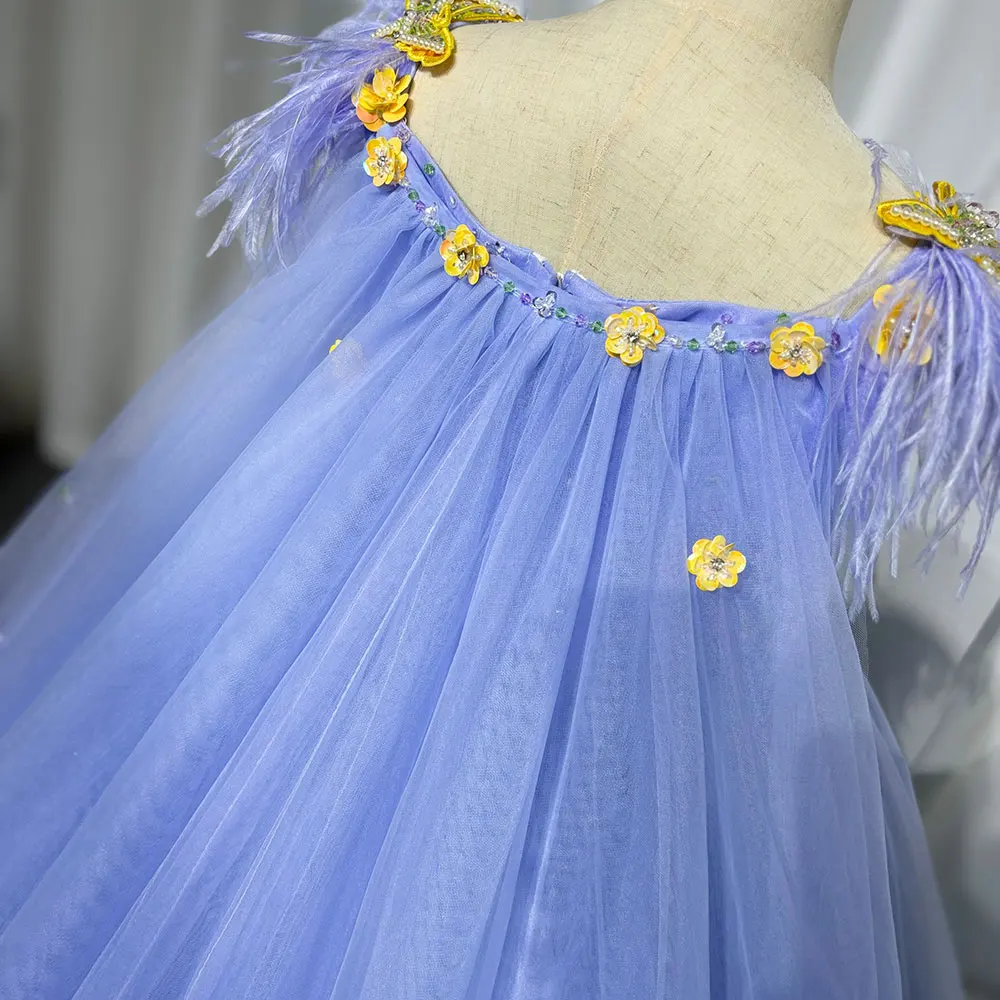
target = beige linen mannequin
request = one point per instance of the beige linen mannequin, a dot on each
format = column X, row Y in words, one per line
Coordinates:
column 669, row 149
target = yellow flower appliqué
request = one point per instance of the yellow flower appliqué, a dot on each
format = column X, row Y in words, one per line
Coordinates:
column 631, row 333
column 463, row 256
column 947, row 218
column 423, row 31
column 383, row 100
column 893, row 335
column 386, row 162
column 715, row 563
column 796, row 350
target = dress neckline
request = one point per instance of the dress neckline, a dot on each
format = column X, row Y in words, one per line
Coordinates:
column 536, row 276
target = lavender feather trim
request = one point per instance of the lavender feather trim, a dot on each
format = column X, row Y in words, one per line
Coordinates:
column 899, row 162
column 277, row 157
column 921, row 442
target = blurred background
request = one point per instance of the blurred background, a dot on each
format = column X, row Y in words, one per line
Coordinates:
column 106, row 107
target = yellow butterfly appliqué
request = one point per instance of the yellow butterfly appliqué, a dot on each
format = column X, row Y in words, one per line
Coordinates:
column 947, row 218
column 423, row 31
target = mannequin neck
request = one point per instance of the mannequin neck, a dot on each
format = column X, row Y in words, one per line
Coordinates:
column 806, row 32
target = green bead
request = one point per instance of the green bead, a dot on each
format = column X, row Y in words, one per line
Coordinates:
column 440, row 230
column 732, row 346
column 509, row 286
column 597, row 326
column 783, row 317
column 561, row 313
column 412, row 195
column 694, row 345
column 429, row 169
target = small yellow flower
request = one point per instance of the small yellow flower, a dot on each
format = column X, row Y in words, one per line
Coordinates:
column 896, row 329
column 386, row 162
column 463, row 256
column 715, row 563
column 383, row 100
column 632, row 332
column 796, row 350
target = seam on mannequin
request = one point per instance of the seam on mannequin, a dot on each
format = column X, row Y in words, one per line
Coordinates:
column 743, row 29
column 583, row 199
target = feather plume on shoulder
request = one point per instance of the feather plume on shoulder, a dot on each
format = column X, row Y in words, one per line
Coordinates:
column 919, row 418
column 277, row 157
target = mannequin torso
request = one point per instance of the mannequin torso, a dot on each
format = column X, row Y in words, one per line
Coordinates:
column 663, row 149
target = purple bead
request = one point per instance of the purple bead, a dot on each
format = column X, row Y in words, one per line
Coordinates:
column 419, row 206
column 726, row 318
column 835, row 340
column 580, row 321
column 756, row 347
column 526, row 298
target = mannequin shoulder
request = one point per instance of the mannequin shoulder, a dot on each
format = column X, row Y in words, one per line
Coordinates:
column 544, row 66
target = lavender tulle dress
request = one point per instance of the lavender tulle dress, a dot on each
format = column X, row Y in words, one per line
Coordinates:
column 403, row 671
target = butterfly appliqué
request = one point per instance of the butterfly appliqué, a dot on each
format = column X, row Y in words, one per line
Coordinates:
column 949, row 219
column 423, row 31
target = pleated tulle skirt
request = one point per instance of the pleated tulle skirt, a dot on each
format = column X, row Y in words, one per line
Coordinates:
column 379, row 674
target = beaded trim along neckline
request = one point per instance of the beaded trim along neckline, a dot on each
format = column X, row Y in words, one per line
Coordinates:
column 574, row 299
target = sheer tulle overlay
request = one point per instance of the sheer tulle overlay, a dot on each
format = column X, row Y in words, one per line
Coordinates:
column 379, row 673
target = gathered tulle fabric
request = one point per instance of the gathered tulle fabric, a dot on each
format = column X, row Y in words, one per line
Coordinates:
column 379, row 673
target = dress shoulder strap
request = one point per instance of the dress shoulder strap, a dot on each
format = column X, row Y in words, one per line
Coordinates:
column 352, row 78
column 921, row 398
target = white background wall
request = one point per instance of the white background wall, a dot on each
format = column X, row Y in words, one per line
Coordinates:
column 17, row 376
column 111, row 105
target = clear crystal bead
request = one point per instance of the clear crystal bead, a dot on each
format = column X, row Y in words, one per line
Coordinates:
column 545, row 306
